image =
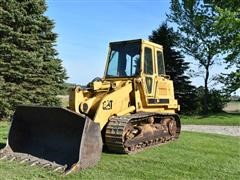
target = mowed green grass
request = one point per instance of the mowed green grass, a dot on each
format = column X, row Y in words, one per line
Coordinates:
column 225, row 119
column 193, row 156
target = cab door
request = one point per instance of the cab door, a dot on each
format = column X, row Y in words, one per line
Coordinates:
column 162, row 81
column 148, row 70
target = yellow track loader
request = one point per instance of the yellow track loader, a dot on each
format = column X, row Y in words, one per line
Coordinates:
column 128, row 110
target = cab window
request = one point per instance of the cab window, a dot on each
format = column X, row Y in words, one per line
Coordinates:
column 160, row 63
column 148, row 62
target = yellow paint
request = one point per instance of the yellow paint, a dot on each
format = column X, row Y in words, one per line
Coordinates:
column 120, row 96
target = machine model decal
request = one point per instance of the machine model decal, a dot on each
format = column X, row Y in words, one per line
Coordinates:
column 107, row 105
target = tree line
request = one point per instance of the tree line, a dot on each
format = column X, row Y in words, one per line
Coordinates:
column 206, row 30
column 209, row 32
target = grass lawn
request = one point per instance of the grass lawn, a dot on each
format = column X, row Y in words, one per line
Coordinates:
column 193, row 156
column 214, row 119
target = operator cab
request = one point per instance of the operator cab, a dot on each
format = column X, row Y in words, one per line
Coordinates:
column 124, row 59
column 137, row 58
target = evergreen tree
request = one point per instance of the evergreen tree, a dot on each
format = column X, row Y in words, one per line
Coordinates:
column 4, row 104
column 30, row 72
column 176, row 67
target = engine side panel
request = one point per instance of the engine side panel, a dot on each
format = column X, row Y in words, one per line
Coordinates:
column 113, row 103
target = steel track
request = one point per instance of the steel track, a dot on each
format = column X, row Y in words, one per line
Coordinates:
column 114, row 136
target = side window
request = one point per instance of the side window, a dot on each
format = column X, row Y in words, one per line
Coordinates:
column 160, row 62
column 149, row 84
column 148, row 62
column 113, row 64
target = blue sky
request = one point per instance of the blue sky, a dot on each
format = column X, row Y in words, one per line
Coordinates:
column 86, row 27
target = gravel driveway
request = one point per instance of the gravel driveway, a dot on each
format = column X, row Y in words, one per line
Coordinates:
column 226, row 130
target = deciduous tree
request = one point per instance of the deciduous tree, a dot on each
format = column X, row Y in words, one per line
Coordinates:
column 195, row 22
column 228, row 29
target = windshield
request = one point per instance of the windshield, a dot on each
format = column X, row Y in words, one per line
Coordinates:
column 124, row 60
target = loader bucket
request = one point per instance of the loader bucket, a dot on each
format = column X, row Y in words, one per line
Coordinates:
column 53, row 137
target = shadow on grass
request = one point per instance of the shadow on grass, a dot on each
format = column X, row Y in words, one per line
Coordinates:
column 215, row 115
column 2, row 145
column 107, row 151
column 237, row 113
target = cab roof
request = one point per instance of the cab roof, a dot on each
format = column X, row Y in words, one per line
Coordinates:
column 140, row 41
